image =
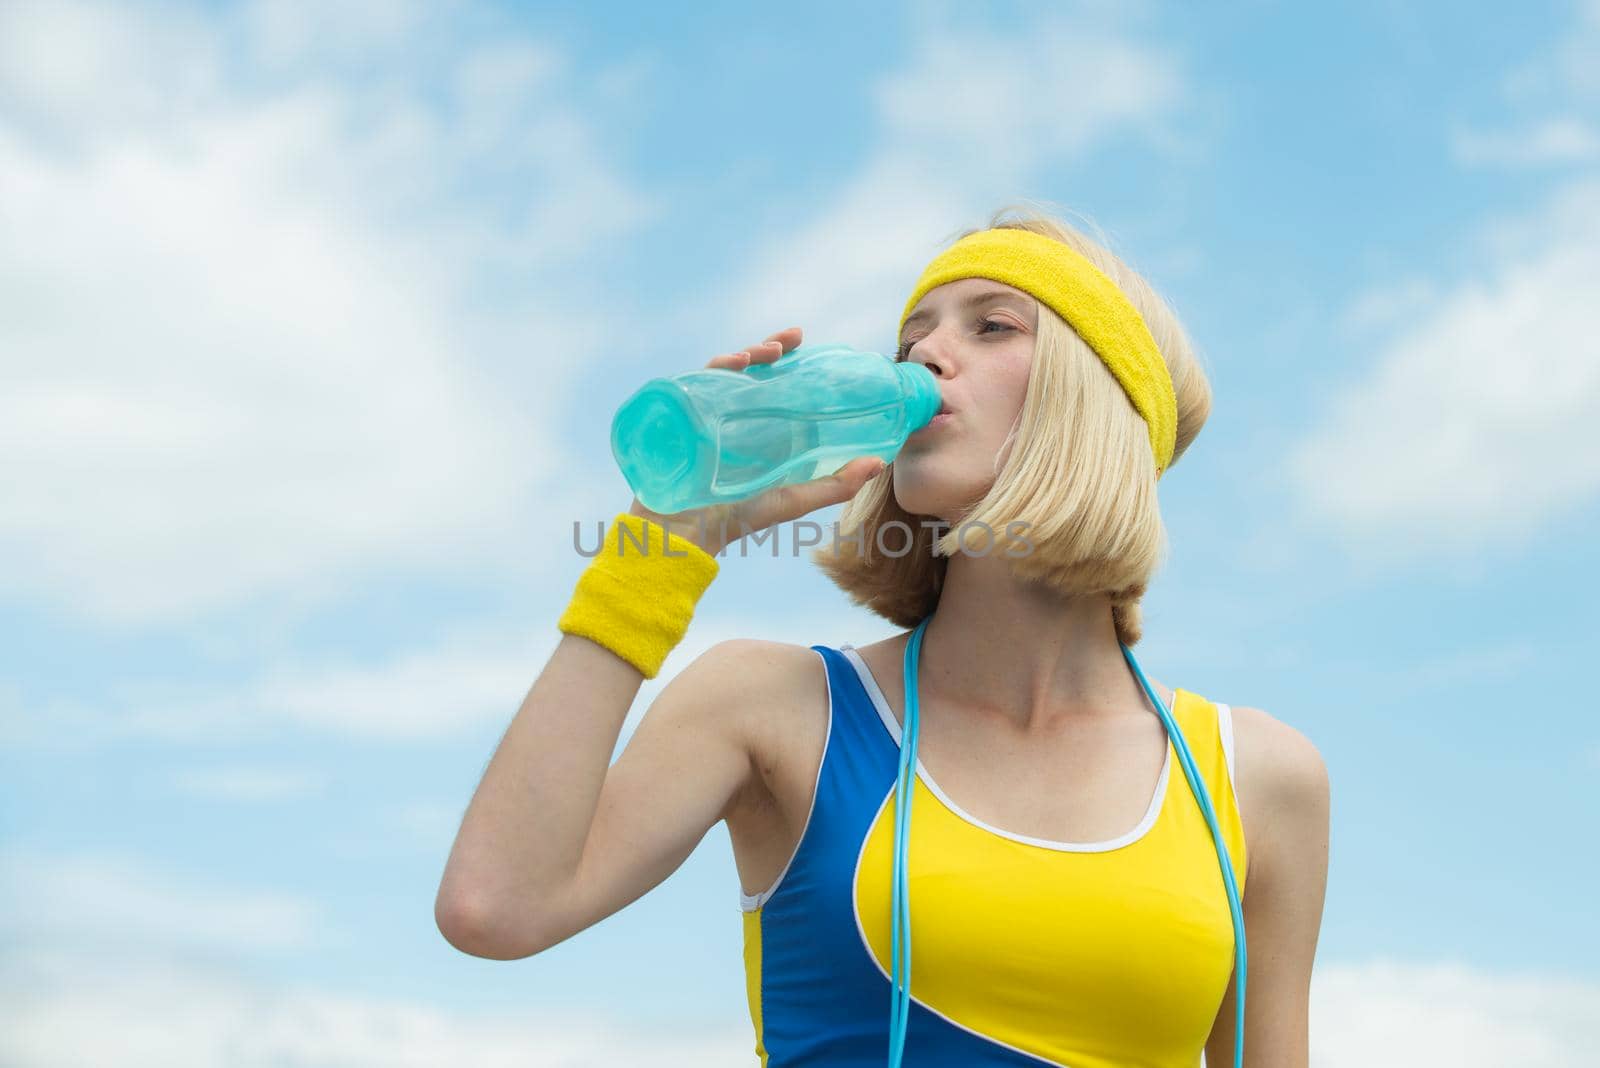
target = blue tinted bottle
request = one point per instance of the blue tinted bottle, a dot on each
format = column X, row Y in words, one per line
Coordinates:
column 715, row 436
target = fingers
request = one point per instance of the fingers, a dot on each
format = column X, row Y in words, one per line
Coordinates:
column 789, row 338
column 775, row 345
column 732, row 361
column 763, row 352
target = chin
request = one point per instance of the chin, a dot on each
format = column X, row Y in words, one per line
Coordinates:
column 930, row 494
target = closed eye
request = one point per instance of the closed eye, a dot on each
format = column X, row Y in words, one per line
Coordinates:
column 905, row 347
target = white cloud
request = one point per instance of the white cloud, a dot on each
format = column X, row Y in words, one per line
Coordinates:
column 292, row 34
column 1472, row 427
column 459, row 684
column 119, row 902
column 1065, row 83
column 467, row 681
column 79, row 70
column 64, row 1006
column 1562, row 139
column 61, row 1008
column 109, row 961
column 1568, row 70
column 1389, row 1014
column 248, row 352
column 955, row 140
column 1554, row 98
column 101, row 950
column 114, row 963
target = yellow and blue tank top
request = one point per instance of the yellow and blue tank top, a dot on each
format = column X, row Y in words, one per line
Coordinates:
column 1112, row 954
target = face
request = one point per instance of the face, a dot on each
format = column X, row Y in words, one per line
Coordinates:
column 976, row 336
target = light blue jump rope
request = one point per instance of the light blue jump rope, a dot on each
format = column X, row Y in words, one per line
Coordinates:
column 900, row 931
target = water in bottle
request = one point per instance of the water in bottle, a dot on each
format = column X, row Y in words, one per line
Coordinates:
column 714, row 436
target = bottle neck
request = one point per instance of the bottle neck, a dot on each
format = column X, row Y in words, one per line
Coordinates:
column 922, row 393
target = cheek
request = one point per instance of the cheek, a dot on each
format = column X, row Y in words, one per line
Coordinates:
column 1006, row 390
column 1017, row 381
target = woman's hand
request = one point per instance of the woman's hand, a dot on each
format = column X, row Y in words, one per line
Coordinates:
column 714, row 527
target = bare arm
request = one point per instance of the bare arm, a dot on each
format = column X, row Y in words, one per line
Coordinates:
column 507, row 890
column 1285, row 889
column 691, row 762
column 554, row 840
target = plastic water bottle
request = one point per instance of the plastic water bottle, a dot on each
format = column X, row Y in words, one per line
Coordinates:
column 713, row 436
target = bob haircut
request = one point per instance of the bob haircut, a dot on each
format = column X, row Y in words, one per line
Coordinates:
column 1077, row 469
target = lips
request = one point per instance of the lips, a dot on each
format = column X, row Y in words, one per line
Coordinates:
column 938, row 419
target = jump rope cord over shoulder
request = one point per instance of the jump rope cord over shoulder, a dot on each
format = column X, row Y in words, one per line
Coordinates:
column 1062, row 279
column 900, row 927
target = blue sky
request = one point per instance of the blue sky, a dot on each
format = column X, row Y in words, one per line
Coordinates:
column 312, row 323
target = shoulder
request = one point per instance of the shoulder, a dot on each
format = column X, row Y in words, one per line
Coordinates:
column 773, row 696
column 1282, row 781
column 755, row 681
column 1276, row 761
column 748, row 665
column 736, row 685
column 1286, row 825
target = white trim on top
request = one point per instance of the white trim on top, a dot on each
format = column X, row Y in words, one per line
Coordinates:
column 870, row 684
column 1225, row 728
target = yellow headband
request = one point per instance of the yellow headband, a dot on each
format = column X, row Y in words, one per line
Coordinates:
column 1061, row 278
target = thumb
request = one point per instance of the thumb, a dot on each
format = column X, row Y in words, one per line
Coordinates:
column 783, row 503
column 863, row 469
column 848, row 480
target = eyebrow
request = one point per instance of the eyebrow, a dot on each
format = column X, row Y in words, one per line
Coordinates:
column 972, row 301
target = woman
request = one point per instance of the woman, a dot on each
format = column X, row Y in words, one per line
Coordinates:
column 1067, row 893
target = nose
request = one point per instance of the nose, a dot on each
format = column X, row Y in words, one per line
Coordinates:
column 930, row 354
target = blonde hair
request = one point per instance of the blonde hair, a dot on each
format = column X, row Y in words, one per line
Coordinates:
column 1078, row 471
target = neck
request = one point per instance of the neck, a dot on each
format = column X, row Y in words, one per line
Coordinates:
column 1010, row 648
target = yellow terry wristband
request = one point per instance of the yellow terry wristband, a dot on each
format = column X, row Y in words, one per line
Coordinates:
column 636, row 599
